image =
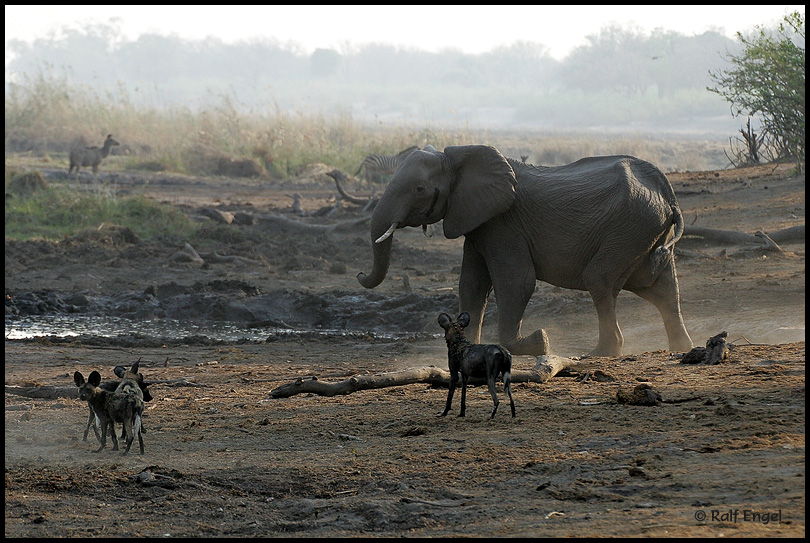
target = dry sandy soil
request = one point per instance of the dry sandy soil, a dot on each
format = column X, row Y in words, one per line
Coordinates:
column 723, row 455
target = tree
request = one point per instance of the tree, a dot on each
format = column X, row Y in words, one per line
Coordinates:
column 767, row 80
column 325, row 62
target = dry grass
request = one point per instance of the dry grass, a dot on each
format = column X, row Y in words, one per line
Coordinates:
column 45, row 117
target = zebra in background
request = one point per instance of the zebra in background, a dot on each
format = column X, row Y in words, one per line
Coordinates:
column 378, row 165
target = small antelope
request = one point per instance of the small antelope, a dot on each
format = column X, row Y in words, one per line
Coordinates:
column 474, row 360
column 90, row 156
column 111, row 407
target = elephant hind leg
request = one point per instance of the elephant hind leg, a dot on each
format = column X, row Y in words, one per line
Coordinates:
column 664, row 295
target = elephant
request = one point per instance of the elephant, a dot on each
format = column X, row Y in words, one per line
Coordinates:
column 601, row 224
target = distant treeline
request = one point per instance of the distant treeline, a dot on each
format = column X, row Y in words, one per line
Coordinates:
column 622, row 79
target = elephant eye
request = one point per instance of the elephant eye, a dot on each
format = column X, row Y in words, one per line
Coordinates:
column 420, row 188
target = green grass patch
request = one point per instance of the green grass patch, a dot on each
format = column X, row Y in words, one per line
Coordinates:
column 55, row 212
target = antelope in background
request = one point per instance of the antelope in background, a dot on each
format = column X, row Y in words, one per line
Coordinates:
column 90, row 156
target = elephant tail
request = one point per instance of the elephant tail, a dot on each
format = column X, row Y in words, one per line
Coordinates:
column 680, row 226
column 663, row 253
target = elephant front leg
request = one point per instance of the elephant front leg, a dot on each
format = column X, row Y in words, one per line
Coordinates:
column 512, row 301
column 611, row 339
column 534, row 345
column 474, row 286
column 512, row 275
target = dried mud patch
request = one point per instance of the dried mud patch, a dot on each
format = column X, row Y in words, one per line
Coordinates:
column 224, row 459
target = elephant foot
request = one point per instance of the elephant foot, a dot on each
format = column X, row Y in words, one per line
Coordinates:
column 601, row 350
column 535, row 345
column 682, row 345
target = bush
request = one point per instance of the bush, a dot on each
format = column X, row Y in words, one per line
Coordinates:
column 767, row 80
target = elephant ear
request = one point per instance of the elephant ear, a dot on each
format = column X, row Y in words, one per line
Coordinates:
column 484, row 188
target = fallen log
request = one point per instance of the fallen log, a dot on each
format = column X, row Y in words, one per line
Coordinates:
column 49, row 392
column 794, row 233
column 339, row 178
column 214, row 258
column 187, row 254
column 770, row 244
column 44, row 392
column 547, row 367
column 296, row 227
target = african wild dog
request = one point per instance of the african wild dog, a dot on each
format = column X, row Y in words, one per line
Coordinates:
column 474, row 360
column 112, row 386
column 111, row 407
column 131, row 380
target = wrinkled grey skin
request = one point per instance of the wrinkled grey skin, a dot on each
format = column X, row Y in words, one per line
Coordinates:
column 601, row 224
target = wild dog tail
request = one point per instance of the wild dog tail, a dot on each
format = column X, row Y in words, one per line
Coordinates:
column 138, row 417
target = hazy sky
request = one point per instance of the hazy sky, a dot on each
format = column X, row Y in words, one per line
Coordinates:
column 472, row 29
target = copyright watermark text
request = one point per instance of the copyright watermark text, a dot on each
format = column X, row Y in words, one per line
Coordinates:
column 738, row 515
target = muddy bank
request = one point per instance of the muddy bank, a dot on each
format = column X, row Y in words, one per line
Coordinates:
column 245, row 305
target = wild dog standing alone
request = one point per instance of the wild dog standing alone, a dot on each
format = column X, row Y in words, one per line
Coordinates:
column 112, row 386
column 111, row 407
column 474, row 360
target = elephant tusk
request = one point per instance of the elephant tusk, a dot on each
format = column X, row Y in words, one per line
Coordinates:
column 387, row 233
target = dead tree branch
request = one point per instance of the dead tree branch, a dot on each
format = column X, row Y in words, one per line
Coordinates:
column 547, row 367
column 794, row 233
column 214, row 258
column 296, row 227
column 44, row 392
column 340, row 178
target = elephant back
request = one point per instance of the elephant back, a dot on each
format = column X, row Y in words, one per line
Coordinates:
column 599, row 177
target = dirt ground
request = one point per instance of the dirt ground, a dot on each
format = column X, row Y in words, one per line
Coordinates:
column 723, row 455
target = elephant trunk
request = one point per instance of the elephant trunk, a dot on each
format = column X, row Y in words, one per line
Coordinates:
column 381, row 241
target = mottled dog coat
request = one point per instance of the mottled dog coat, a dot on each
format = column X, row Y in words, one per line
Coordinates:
column 474, row 360
column 131, row 380
column 111, row 386
column 112, row 407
